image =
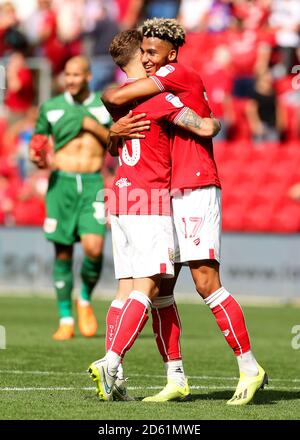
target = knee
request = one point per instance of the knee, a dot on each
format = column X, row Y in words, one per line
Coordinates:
column 154, row 293
column 93, row 251
column 207, row 285
column 202, row 287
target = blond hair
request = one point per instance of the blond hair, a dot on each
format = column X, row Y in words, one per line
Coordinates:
column 165, row 29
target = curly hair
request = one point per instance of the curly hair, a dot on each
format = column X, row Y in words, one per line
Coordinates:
column 165, row 29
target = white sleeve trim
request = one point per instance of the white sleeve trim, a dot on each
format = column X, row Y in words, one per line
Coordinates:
column 157, row 82
column 180, row 114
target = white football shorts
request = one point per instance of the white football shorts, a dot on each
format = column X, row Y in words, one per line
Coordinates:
column 197, row 221
column 143, row 245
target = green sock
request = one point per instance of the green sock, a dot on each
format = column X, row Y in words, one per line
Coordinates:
column 90, row 273
column 63, row 282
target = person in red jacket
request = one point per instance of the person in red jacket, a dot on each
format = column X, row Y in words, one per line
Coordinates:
column 19, row 94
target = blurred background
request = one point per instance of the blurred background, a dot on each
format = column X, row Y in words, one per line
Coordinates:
column 248, row 55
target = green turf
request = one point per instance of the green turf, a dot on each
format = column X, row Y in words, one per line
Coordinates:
column 212, row 369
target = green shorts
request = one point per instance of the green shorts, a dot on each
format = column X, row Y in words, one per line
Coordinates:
column 75, row 206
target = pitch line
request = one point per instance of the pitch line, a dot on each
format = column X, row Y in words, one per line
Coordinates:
column 154, row 376
column 193, row 387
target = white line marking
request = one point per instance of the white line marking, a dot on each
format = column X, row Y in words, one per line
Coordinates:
column 156, row 376
column 193, row 387
column 46, row 373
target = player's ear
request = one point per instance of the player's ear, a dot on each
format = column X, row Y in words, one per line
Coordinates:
column 172, row 55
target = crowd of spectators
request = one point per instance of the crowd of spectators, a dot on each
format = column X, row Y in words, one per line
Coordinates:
column 247, row 52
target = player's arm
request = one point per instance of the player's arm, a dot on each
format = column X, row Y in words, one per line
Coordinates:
column 204, row 127
column 39, row 143
column 113, row 145
column 141, row 88
column 127, row 127
column 94, row 127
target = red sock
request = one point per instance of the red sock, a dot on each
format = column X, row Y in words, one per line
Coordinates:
column 112, row 321
column 167, row 329
column 132, row 320
column 230, row 319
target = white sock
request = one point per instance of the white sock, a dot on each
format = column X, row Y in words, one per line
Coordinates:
column 141, row 297
column 217, row 297
column 120, row 372
column 164, row 301
column 84, row 302
column 175, row 372
column 69, row 320
column 114, row 360
column 118, row 304
column 247, row 364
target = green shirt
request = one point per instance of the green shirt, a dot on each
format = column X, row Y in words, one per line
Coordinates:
column 62, row 117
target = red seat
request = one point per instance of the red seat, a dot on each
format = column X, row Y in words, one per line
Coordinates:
column 286, row 219
column 30, row 212
column 258, row 219
column 232, row 218
column 271, row 194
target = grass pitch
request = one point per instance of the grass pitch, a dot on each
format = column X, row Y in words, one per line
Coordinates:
column 45, row 379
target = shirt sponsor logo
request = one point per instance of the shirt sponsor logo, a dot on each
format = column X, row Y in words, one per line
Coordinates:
column 54, row 115
column 174, row 100
column 50, row 225
column 170, row 68
column 99, row 213
column 122, row 182
column 165, row 70
column 101, row 114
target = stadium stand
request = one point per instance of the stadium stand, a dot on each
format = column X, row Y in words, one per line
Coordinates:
column 229, row 43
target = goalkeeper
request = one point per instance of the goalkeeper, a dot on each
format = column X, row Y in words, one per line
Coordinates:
column 76, row 121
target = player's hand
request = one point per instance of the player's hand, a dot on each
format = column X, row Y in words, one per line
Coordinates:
column 38, row 151
column 130, row 127
column 40, row 160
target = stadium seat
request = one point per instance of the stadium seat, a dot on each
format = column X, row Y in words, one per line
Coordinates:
column 258, row 219
column 286, row 219
column 232, row 218
column 271, row 194
column 30, row 212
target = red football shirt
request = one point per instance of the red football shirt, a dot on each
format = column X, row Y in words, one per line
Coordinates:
column 21, row 100
column 143, row 179
column 193, row 164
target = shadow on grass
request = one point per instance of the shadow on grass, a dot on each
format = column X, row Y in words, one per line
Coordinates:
column 271, row 397
column 265, row 397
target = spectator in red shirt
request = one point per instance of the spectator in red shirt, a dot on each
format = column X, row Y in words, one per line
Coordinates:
column 10, row 37
column 30, row 208
column 7, row 195
column 41, row 30
column 19, row 93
